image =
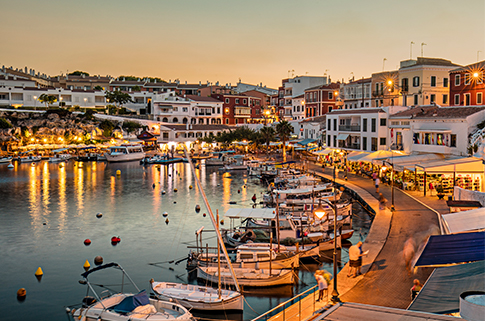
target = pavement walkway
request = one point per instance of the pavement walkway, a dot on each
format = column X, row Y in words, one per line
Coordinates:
column 385, row 280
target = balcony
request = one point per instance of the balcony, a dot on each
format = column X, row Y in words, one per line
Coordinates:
column 349, row 128
column 440, row 149
column 344, row 145
column 397, row 147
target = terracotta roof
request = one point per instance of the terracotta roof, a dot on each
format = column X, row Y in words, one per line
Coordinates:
column 202, row 98
column 317, row 119
column 438, row 112
column 196, row 127
column 473, row 67
column 356, row 111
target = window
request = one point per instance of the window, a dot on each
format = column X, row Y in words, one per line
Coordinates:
column 227, row 100
column 394, row 123
column 335, row 124
column 330, row 95
column 373, row 146
column 329, row 125
column 382, row 141
column 445, row 99
column 433, row 81
column 218, row 110
column 467, row 99
column 445, row 82
column 479, row 98
column 404, row 84
column 383, row 122
column 227, row 121
column 457, row 99
column 452, row 140
column 416, row 81
column 328, row 140
column 185, row 109
column 432, row 98
column 334, row 140
column 245, row 101
column 364, row 143
column 364, row 124
column 237, row 100
column 467, row 79
column 373, row 125
column 415, row 100
column 165, row 135
column 480, row 78
column 457, row 80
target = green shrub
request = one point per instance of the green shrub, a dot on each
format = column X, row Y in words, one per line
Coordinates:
column 5, row 124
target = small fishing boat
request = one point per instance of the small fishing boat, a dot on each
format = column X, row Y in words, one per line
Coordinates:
column 247, row 277
column 29, row 159
column 5, row 160
column 199, row 297
column 125, row 306
column 124, row 153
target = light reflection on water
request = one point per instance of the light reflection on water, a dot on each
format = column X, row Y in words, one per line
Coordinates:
column 47, row 210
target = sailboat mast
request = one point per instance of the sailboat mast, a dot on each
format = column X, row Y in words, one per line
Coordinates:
column 211, row 215
column 218, row 260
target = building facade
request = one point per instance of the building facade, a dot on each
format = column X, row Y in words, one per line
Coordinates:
column 467, row 87
column 357, row 94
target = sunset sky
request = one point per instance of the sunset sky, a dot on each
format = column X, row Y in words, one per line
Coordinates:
column 255, row 41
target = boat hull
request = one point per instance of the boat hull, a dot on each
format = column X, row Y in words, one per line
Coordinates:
column 290, row 262
column 199, row 297
column 124, row 157
column 247, row 277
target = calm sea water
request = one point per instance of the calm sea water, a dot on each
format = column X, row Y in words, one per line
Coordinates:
column 47, row 211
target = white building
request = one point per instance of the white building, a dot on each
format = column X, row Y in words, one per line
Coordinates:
column 310, row 128
column 357, row 94
column 294, row 87
column 432, row 129
column 298, row 107
column 363, row 129
column 191, row 109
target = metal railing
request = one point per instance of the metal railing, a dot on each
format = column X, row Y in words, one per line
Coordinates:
column 299, row 297
column 348, row 128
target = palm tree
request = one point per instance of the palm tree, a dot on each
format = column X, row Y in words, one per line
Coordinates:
column 284, row 130
column 268, row 134
column 47, row 99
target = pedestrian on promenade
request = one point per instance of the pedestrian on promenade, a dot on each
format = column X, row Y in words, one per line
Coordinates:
column 416, row 288
column 377, row 182
column 254, row 198
column 322, row 283
column 408, row 252
column 355, row 259
column 382, row 201
column 374, row 176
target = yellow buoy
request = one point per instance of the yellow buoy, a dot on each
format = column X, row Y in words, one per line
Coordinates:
column 86, row 265
column 222, row 222
column 174, row 189
column 118, row 172
column 39, row 272
column 190, row 186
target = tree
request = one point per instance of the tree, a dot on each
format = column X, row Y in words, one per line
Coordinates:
column 267, row 134
column 131, row 126
column 284, row 130
column 118, row 97
column 5, row 124
column 136, row 88
column 107, row 128
column 98, row 87
column 78, row 73
column 47, row 99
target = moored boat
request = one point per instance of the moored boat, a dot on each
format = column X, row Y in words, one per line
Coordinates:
column 247, row 277
column 125, row 153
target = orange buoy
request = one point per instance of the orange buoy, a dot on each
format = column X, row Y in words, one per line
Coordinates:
column 21, row 293
column 166, row 221
column 87, row 242
column 98, row 260
column 222, row 222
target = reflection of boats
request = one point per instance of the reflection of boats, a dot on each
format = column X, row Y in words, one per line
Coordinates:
column 247, row 277
column 162, row 160
column 198, row 297
column 124, row 153
column 126, row 306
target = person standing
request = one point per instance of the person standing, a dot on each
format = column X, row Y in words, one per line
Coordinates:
column 355, row 259
column 416, row 288
column 254, row 198
column 377, row 182
column 322, row 284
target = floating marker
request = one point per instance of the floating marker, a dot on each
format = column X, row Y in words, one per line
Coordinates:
column 10, row 166
column 87, row 242
column 39, row 272
column 166, row 221
column 175, row 190
column 197, row 208
column 232, row 202
column 190, row 187
column 115, row 239
column 98, row 260
column 164, row 192
column 165, row 214
column 21, row 293
column 222, row 222
column 99, row 215
column 204, row 215
column 239, row 191
column 153, row 185
column 175, row 202
column 86, row 265
column 118, row 172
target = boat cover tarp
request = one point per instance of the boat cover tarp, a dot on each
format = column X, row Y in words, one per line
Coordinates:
column 441, row 293
column 302, row 190
column 449, row 249
column 306, row 141
column 465, row 221
column 130, row 303
column 258, row 213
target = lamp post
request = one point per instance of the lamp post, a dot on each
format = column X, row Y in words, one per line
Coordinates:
column 35, row 102
column 85, row 100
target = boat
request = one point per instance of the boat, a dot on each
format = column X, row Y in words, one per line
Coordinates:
column 247, row 277
column 235, row 167
column 162, row 160
column 125, row 306
column 215, row 162
column 5, row 160
column 125, row 153
column 199, row 297
column 29, row 159
column 57, row 158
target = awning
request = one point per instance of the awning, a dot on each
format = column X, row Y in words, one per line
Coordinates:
column 408, row 161
column 466, row 221
column 432, row 130
column 441, row 293
column 442, row 250
column 342, row 136
column 59, row 150
column 381, row 154
column 306, row 141
column 458, row 165
column 259, row 213
column 300, row 148
column 325, row 151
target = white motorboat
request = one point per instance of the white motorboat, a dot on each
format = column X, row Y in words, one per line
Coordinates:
column 29, row 159
column 247, row 277
column 125, row 153
column 235, row 167
column 199, row 297
column 5, row 160
column 57, row 158
column 126, row 306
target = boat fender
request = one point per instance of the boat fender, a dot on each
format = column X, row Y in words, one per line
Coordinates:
column 98, row 260
column 87, row 242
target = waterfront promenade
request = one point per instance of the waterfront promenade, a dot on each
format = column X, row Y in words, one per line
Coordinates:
column 385, row 280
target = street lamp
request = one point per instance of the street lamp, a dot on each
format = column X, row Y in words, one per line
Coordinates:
column 60, row 101
column 35, row 102
column 85, row 100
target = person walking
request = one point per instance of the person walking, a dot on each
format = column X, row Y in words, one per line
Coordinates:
column 382, row 201
column 355, row 259
column 322, row 284
column 377, row 182
column 416, row 288
column 254, row 198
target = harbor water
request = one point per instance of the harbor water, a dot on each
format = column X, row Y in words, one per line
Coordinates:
column 48, row 210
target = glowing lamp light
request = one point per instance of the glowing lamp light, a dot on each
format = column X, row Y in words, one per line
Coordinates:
column 475, row 74
column 45, row 140
column 32, row 139
column 319, row 211
column 389, row 82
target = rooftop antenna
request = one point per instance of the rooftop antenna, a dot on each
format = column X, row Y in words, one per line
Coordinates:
column 383, row 63
column 422, row 44
column 411, row 50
